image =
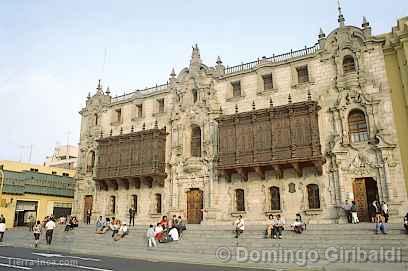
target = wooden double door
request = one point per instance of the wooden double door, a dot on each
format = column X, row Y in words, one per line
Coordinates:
column 365, row 192
column 88, row 201
column 195, row 206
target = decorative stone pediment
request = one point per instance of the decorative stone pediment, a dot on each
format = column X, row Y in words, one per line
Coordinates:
column 351, row 97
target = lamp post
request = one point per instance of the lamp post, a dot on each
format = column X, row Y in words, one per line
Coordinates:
column 1, row 185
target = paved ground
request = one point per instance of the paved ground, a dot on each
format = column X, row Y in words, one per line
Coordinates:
column 204, row 247
column 12, row 258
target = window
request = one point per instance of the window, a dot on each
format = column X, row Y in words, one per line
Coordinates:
column 139, row 110
column 292, row 188
column 158, row 201
column 349, row 64
column 91, row 161
column 96, row 119
column 160, row 103
column 267, row 81
column 303, row 74
column 134, row 202
column 357, row 126
column 195, row 95
column 313, row 196
column 236, row 89
column 240, row 200
column 275, row 198
column 118, row 115
column 196, row 141
column 112, row 204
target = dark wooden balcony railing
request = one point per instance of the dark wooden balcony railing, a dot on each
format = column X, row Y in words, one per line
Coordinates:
column 133, row 157
column 274, row 138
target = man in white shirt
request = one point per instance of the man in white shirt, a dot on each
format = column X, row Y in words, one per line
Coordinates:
column 174, row 234
column 49, row 229
column 347, row 210
column 239, row 226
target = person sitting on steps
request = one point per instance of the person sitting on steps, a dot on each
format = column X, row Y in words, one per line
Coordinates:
column 122, row 232
column 406, row 223
column 278, row 227
column 269, row 227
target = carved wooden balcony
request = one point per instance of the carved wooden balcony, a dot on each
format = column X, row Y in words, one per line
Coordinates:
column 274, row 138
column 128, row 160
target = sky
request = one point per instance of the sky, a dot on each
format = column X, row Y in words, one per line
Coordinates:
column 52, row 53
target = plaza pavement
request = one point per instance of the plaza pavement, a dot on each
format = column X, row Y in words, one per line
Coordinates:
column 321, row 247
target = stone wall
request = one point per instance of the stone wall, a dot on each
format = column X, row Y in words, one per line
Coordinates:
column 338, row 93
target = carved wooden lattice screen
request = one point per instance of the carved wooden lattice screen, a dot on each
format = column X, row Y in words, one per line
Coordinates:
column 283, row 136
column 139, row 154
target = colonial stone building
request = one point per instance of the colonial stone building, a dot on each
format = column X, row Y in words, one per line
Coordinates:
column 299, row 132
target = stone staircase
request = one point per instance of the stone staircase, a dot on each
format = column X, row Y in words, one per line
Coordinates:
column 216, row 245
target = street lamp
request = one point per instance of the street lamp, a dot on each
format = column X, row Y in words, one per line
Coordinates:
column 1, row 185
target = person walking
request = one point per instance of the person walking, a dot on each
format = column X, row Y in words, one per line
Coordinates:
column 132, row 213
column 150, row 237
column 239, row 226
column 37, row 232
column 354, row 217
column 385, row 211
column 379, row 225
column 2, row 227
column 347, row 210
column 88, row 216
column 49, row 230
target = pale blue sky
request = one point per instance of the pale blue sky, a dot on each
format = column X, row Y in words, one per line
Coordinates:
column 52, row 52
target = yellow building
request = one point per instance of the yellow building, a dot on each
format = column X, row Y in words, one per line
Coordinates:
column 31, row 192
column 396, row 63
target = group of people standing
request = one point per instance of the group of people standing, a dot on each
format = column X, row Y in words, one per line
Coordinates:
column 378, row 214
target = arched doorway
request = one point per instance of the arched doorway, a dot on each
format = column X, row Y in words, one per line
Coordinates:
column 195, row 206
column 365, row 192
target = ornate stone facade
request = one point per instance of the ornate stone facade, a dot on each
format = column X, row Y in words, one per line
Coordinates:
column 355, row 141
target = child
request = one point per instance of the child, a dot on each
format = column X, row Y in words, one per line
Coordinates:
column 150, row 236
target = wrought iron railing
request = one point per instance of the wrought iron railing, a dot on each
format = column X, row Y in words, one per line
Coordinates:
column 273, row 59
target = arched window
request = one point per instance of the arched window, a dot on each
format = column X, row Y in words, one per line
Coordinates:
column 112, row 205
column 91, row 161
column 195, row 95
column 134, row 202
column 292, row 188
column 313, row 196
column 275, row 198
column 158, row 203
column 240, row 200
column 348, row 64
column 357, row 126
column 196, row 141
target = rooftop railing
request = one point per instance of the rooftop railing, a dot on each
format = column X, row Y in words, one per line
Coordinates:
column 274, row 59
column 140, row 93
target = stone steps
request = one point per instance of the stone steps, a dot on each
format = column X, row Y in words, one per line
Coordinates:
column 199, row 244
